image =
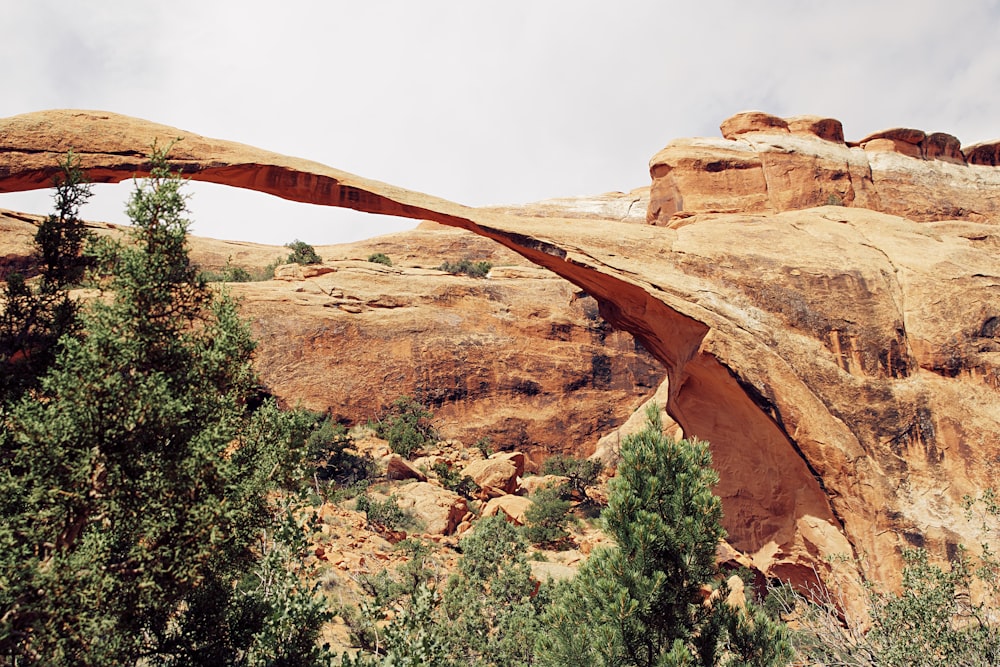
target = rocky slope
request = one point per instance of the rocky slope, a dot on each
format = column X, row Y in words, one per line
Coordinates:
column 842, row 360
column 521, row 358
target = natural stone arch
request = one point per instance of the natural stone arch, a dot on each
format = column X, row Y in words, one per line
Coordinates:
column 728, row 384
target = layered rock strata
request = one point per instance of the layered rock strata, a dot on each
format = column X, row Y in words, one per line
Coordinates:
column 842, row 360
column 766, row 164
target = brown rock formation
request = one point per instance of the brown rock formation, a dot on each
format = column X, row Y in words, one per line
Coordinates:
column 767, row 164
column 439, row 510
column 495, row 476
column 843, row 362
column 513, row 508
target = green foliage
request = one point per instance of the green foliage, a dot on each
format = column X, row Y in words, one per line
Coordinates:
column 547, row 519
column 382, row 515
column 486, row 614
column 406, row 426
column 932, row 621
column 229, row 274
column 484, row 445
column 467, row 267
column 639, row 603
column 330, row 448
column 940, row 616
column 581, row 473
column 141, row 516
column 302, row 253
column 34, row 318
column 453, row 480
column 489, row 608
column 380, row 258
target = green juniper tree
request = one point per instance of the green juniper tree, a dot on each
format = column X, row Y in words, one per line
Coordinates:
column 140, row 524
column 638, row 604
column 485, row 615
column 34, row 318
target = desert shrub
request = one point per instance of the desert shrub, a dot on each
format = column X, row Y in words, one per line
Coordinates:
column 330, row 450
column 228, row 274
column 486, row 614
column 934, row 619
column 547, row 519
column 380, row 258
column 302, row 253
column 406, row 426
column 453, row 480
column 467, row 267
column 484, row 445
column 381, row 515
column 581, row 473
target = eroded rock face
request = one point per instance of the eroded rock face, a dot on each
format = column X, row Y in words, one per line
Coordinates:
column 766, row 164
column 843, row 361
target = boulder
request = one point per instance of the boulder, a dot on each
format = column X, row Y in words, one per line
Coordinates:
column 827, row 129
column 752, row 121
column 439, row 510
column 512, row 507
column 495, row 476
column 398, row 468
column 531, row 484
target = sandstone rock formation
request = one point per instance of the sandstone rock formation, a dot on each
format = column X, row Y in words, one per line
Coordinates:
column 513, row 508
column 843, row 361
column 521, row 359
column 766, row 164
column 494, row 476
column 438, row 509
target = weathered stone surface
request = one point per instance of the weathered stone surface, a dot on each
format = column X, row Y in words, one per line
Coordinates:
column 621, row 206
column 531, row 484
column 945, row 147
column 512, row 507
column 985, row 154
column 439, row 510
column 762, row 168
column 752, row 121
column 828, row 129
column 495, row 476
column 398, row 468
column 844, row 362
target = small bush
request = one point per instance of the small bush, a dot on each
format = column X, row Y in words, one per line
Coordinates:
column 302, row 253
column 467, row 267
column 380, row 258
column 382, row 515
column 228, row 274
column 407, row 427
column 547, row 519
column 485, row 446
column 452, row 480
column 581, row 473
column 330, row 449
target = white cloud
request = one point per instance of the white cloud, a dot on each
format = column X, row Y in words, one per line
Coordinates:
column 491, row 102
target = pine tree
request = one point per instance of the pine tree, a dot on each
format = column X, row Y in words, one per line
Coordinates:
column 638, row 604
column 139, row 522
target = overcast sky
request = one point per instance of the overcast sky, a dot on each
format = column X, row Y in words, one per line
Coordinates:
column 487, row 102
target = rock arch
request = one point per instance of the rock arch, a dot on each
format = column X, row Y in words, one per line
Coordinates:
column 746, row 313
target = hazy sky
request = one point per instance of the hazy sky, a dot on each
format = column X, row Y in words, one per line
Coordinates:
column 487, row 102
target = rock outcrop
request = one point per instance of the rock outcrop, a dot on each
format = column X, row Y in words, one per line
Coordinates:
column 843, row 361
column 766, row 164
